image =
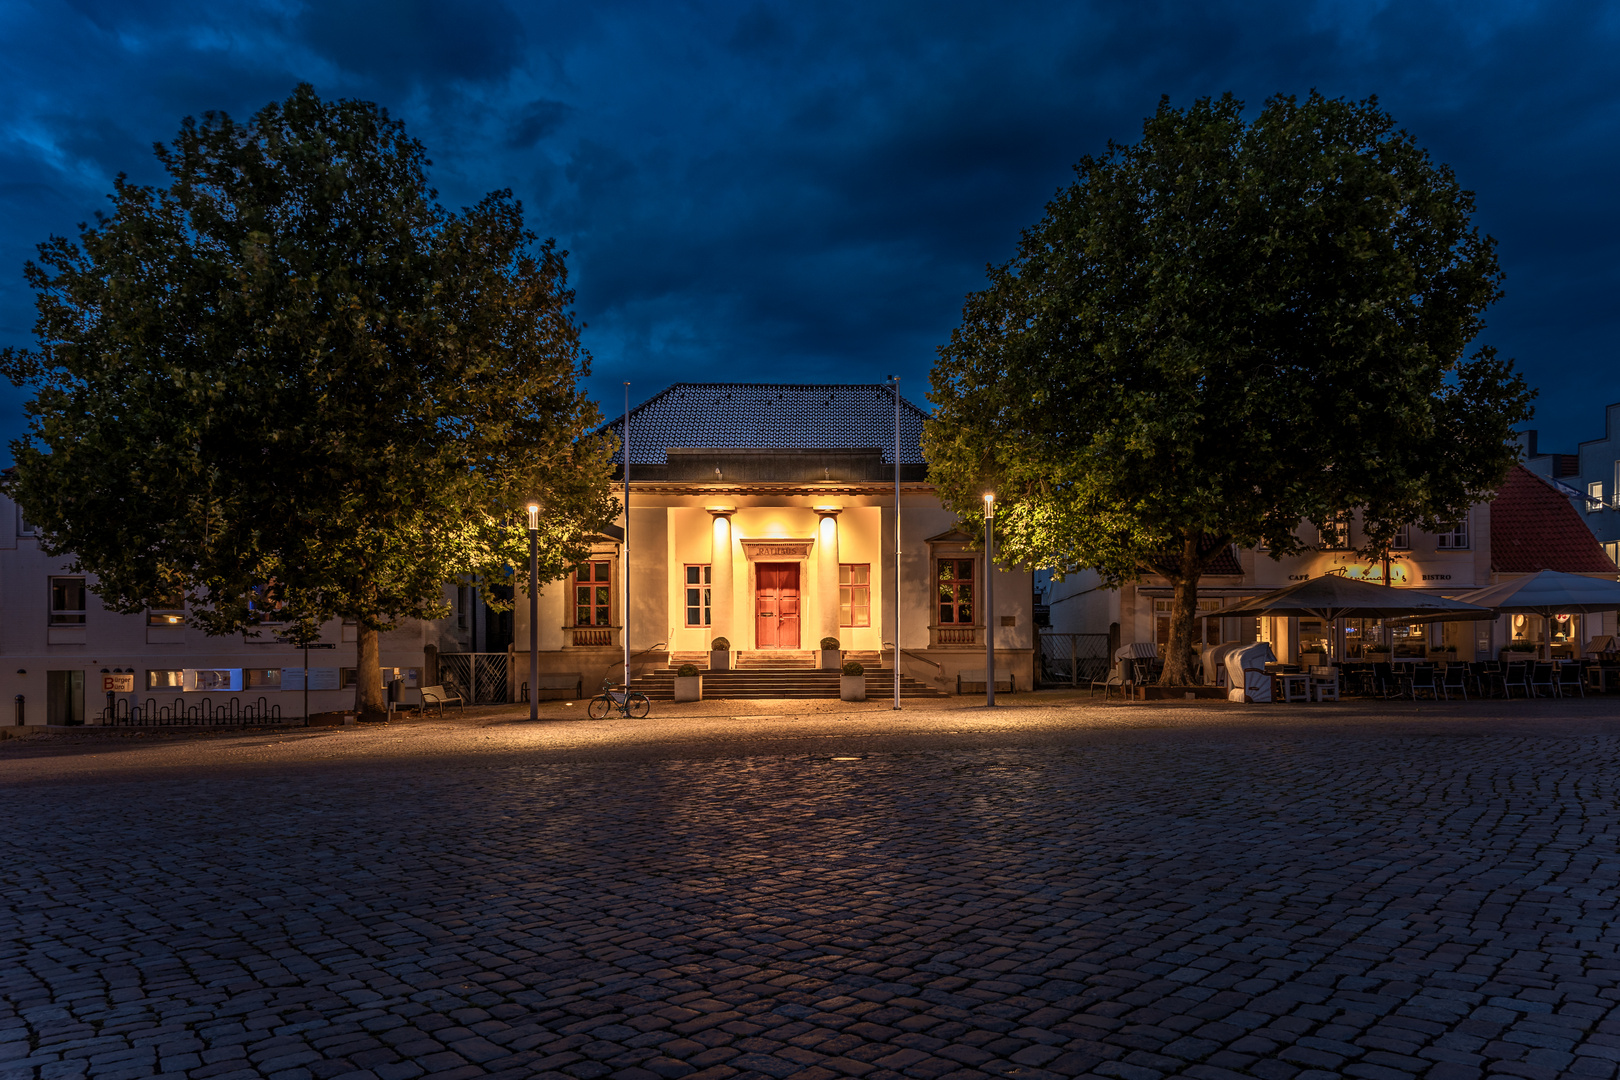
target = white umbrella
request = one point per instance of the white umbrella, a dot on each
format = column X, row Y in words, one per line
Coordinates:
column 1548, row 593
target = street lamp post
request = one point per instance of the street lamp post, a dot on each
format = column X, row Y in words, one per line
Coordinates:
column 989, row 599
column 534, row 611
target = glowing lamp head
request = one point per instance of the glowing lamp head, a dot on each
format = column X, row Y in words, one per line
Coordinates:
column 534, row 516
column 990, row 503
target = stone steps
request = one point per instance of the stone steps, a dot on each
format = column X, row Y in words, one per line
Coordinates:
column 659, row 685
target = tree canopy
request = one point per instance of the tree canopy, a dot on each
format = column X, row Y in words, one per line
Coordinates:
column 1223, row 329
column 291, row 386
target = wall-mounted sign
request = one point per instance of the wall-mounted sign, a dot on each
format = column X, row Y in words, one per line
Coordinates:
column 1399, row 572
column 119, row 684
column 777, row 549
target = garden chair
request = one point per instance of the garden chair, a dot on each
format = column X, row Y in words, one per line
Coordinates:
column 1516, row 675
column 1569, row 678
column 1542, row 678
column 1455, row 678
column 1422, row 680
column 1382, row 682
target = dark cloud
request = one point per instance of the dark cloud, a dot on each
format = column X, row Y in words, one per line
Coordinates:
column 536, row 121
column 773, row 190
column 416, row 41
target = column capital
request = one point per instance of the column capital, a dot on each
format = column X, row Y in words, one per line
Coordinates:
column 828, row 511
column 721, row 511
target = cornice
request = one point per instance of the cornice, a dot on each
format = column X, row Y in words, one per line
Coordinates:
column 778, row 489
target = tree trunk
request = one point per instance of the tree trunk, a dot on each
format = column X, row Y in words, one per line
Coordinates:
column 368, row 684
column 1178, row 669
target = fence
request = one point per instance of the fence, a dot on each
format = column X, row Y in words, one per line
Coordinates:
column 201, row 713
column 480, row 678
column 1073, row 659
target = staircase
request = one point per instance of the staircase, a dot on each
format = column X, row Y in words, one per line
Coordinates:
column 779, row 673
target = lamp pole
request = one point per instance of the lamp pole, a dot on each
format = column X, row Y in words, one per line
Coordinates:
column 896, row 384
column 989, row 599
column 625, row 590
column 534, row 611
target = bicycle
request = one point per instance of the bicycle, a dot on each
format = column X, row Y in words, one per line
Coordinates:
column 630, row 703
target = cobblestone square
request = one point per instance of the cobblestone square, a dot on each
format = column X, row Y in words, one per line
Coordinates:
column 1065, row 891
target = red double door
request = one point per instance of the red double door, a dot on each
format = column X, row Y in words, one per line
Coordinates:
column 776, row 605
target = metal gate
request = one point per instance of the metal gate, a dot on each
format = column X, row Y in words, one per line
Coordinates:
column 480, row 678
column 1073, row 659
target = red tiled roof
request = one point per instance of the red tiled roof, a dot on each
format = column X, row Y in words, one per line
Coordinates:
column 1534, row 528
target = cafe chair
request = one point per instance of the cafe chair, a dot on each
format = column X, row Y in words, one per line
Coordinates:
column 1455, row 678
column 1569, row 677
column 1541, row 678
column 1515, row 675
column 1381, row 682
column 1422, row 679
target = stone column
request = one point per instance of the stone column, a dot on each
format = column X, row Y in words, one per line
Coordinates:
column 720, row 575
column 827, row 576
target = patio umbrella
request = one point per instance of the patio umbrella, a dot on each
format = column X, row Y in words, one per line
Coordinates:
column 1333, row 597
column 1548, row 593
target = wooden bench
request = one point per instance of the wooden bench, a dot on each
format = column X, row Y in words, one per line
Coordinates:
column 570, row 683
column 438, row 695
column 972, row 682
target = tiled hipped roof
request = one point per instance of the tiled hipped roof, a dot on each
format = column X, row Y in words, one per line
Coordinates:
column 1534, row 528
column 771, row 416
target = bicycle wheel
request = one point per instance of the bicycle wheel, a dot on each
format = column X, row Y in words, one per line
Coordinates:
column 637, row 705
column 600, row 706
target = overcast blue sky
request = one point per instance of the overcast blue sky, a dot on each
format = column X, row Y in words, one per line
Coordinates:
column 805, row 192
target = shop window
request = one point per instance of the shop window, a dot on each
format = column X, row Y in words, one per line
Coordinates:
column 264, row 678
column 1452, row 536
column 1594, row 496
column 166, row 679
column 213, row 679
column 855, row 594
column 593, row 593
column 954, row 578
column 167, row 611
column 67, row 601
column 697, row 594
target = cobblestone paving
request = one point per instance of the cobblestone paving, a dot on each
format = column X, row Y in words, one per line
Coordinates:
column 1288, row 906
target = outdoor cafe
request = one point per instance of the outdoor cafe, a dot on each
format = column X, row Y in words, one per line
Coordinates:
column 1371, row 640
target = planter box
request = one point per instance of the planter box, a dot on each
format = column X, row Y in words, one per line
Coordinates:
column 831, row 659
column 688, row 688
column 852, row 687
column 719, row 661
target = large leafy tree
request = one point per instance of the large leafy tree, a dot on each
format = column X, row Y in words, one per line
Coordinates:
column 1218, row 332
column 291, row 387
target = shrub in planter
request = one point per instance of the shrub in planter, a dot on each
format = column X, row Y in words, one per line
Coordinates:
column 688, row 683
column 830, row 644
column 852, row 684
column 720, row 655
column 829, row 654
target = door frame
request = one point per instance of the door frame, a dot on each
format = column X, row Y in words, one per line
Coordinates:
column 753, row 578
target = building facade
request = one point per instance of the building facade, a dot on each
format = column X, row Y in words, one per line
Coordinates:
column 765, row 514
column 1590, row 477
column 1529, row 526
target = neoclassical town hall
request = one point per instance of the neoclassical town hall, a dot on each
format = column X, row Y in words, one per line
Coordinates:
column 760, row 513
column 764, row 514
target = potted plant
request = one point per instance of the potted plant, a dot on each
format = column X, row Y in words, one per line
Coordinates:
column 829, row 654
column 852, row 684
column 688, row 683
column 720, row 655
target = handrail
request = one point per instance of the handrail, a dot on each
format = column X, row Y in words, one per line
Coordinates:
column 914, row 656
column 620, row 663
